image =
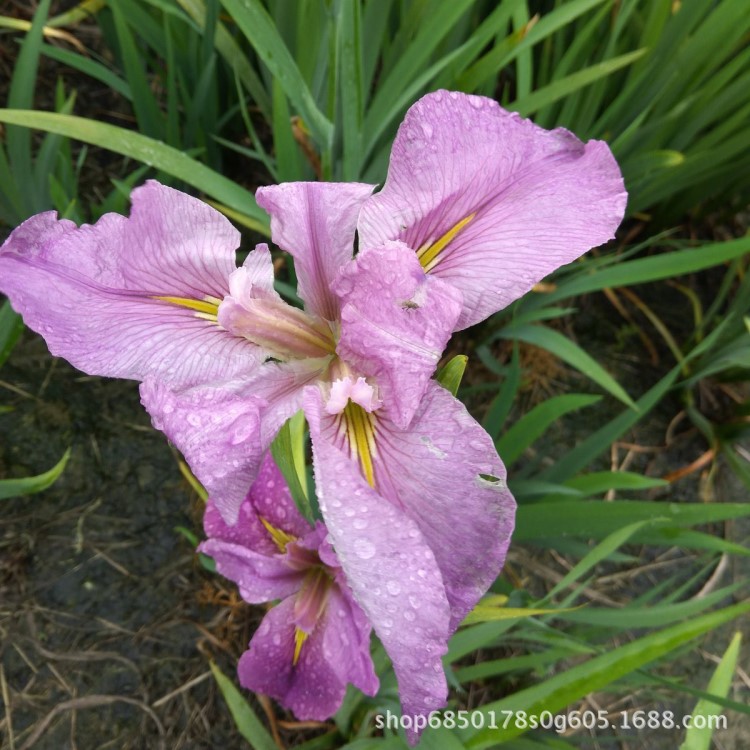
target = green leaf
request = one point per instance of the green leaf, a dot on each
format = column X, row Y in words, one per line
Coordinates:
column 235, row 58
column 594, row 674
column 288, row 451
column 11, row 326
column 595, row 519
column 533, row 425
column 260, row 30
column 563, row 87
column 149, row 116
column 21, row 95
column 149, row 151
column 603, row 481
column 32, row 485
column 245, row 719
column 411, row 64
column 489, row 613
column 89, row 67
column 450, row 375
column 349, row 33
column 600, row 440
column 602, row 551
column 501, row 405
column 569, row 352
column 644, row 270
column 720, row 683
column 633, row 617
column 490, row 65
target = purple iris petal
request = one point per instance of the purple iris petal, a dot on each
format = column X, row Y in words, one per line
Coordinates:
column 395, row 323
column 490, row 201
column 315, row 222
column 335, row 654
column 444, row 472
column 316, row 640
column 390, row 567
column 217, row 430
column 93, row 291
column 268, row 498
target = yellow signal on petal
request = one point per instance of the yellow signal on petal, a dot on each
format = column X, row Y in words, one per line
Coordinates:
column 428, row 254
column 299, row 638
column 208, row 307
column 359, row 427
column 280, row 538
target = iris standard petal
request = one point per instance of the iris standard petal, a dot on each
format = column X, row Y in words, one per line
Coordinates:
column 131, row 297
column 217, row 428
column 395, row 323
column 315, row 223
column 491, row 202
column 444, row 472
column 389, row 567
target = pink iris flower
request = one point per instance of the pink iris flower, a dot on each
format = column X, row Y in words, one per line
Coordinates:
column 316, row 640
column 478, row 206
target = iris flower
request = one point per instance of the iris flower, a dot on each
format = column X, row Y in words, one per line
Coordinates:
column 316, row 639
column 478, row 206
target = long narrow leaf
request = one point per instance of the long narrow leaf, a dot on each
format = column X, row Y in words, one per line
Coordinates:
column 573, row 684
column 698, row 737
column 32, row 485
column 531, row 426
column 245, row 719
column 149, row 151
column 569, row 352
column 260, row 31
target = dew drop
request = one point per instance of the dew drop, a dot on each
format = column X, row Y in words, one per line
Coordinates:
column 364, row 549
column 394, row 587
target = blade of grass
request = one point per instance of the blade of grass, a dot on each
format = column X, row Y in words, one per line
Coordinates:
column 565, row 87
column 245, row 719
column 573, row 684
column 595, row 519
column 259, row 29
column 410, row 64
column 602, row 551
column 233, row 55
column 149, row 151
column 21, row 96
column 352, row 87
column 32, row 485
column 699, row 737
column 569, row 352
column 11, row 326
column 149, row 116
column 532, row 426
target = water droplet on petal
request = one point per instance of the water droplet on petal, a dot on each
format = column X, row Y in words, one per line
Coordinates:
column 394, row 587
column 364, row 549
